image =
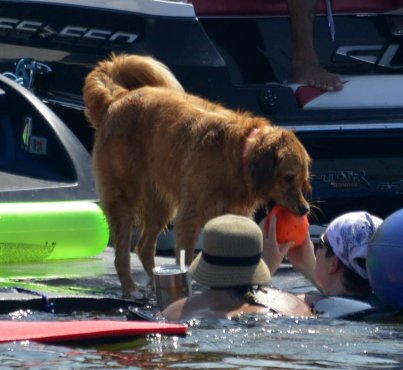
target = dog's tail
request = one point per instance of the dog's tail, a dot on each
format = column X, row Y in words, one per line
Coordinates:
column 114, row 78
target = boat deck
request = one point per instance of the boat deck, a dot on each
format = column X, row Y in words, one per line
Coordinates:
column 84, row 284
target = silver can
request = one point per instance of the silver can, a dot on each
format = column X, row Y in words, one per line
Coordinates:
column 171, row 283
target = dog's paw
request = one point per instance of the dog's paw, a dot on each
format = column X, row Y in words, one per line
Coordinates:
column 138, row 296
column 135, row 295
column 128, row 290
column 150, row 288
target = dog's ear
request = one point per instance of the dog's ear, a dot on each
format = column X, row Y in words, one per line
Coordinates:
column 262, row 166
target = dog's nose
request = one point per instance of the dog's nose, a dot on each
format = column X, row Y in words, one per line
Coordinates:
column 303, row 210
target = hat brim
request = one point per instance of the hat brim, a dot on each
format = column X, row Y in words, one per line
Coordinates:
column 228, row 276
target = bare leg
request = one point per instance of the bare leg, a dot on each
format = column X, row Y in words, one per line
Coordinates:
column 305, row 65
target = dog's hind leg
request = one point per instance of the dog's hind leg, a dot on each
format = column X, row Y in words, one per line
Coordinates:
column 120, row 218
column 156, row 214
column 187, row 227
column 147, row 245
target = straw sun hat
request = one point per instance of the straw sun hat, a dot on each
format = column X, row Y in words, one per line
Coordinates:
column 231, row 254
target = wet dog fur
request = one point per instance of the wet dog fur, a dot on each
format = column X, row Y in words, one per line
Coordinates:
column 162, row 155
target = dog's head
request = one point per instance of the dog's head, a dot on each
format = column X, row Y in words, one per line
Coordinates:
column 279, row 168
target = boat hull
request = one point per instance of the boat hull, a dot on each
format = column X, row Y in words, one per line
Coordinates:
column 242, row 61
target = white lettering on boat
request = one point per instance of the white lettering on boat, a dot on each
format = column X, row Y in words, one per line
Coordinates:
column 69, row 31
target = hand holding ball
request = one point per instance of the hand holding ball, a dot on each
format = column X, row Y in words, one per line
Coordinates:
column 290, row 227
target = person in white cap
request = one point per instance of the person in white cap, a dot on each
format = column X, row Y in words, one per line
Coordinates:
column 233, row 275
column 336, row 265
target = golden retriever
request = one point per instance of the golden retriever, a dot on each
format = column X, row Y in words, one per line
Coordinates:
column 161, row 154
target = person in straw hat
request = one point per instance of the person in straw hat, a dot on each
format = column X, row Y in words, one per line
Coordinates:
column 230, row 265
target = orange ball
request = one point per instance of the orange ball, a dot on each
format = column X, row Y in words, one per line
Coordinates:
column 290, row 227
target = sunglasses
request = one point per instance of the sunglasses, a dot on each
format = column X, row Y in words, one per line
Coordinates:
column 323, row 243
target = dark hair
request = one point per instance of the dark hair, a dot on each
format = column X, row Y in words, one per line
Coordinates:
column 354, row 284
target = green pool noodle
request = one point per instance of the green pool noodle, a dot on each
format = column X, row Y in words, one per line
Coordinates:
column 40, row 231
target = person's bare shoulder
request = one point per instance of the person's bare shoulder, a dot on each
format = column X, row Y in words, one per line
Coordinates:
column 174, row 311
column 310, row 298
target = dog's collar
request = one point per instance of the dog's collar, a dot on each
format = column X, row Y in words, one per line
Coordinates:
column 245, row 152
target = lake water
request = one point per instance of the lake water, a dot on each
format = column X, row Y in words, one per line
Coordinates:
column 245, row 343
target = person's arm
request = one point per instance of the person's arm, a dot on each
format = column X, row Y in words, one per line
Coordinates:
column 303, row 259
column 273, row 252
column 174, row 311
